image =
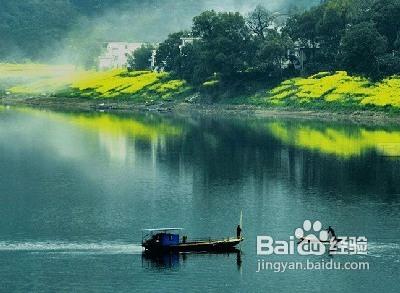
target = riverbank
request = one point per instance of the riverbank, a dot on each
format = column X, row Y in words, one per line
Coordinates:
column 325, row 96
column 183, row 107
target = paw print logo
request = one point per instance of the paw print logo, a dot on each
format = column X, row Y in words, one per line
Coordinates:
column 309, row 243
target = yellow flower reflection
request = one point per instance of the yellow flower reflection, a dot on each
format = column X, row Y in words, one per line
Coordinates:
column 116, row 134
column 145, row 127
column 116, row 125
column 339, row 141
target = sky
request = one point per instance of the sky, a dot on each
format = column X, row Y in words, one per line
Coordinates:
column 153, row 20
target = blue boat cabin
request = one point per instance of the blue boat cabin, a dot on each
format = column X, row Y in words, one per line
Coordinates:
column 167, row 239
column 161, row 238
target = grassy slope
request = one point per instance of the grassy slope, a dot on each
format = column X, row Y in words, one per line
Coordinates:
column 35, row 79
column 333, row 91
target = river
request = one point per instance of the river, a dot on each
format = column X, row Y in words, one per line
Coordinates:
column 77, row 188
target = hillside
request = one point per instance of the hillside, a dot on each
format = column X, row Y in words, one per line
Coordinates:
column 334, row 91
column 326, row 90
column 65, row 81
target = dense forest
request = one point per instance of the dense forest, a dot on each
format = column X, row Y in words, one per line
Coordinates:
column 71, row 30
column 358, row 36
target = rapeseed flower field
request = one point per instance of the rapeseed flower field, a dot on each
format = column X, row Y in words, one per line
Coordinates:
column 38, row 79
column 325, row 89
column 336, row 89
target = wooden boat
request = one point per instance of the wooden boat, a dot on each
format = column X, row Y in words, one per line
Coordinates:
column 168, row 239
column 325, row 242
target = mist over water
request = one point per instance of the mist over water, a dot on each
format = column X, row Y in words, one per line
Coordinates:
column 70, row 31
column 152, row 21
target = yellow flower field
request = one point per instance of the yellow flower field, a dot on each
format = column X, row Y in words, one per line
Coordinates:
column 39, row 79
column 337, row 88
column 325, row 89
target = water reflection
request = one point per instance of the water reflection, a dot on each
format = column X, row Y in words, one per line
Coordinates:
column 144, row 127
column 162, row 260
column 147, row 127
column 208, row 153
column 340, row 140
column 116, row 132
column 173, row 260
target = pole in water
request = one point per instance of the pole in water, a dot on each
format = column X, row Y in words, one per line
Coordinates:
column 241, row 219
column 241, row 226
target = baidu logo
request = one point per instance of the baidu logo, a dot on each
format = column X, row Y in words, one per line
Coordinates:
column 310, row 244
column 312, row 239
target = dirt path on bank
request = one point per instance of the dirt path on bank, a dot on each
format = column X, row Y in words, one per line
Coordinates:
column 89, row 105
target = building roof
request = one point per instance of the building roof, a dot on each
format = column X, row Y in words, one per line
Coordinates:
column 162, row 229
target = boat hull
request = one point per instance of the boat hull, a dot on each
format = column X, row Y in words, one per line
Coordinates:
column 325, row 242
column 200, row 246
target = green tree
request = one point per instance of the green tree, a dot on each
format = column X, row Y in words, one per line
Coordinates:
column 320, row 30
column 259, row 21
column 362, row 45
column 140, row 59
column 169, row 52
column 225, row 40
column 330, row 29
column 191, row 66
column 389, row 64
column 386, row 15
column 271, row 54
column 303, row 27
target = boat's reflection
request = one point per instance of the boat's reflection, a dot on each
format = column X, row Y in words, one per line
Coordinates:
column 175, row 259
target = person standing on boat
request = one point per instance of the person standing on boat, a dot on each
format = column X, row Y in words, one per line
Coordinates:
column 238, row 231
column 331, row 232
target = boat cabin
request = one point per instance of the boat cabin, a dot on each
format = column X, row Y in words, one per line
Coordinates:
column 160, row 237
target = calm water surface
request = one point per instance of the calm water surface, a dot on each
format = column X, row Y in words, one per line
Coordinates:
column 76, row 189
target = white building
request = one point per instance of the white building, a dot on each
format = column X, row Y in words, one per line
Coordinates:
column 116, row 54
column 187, row 41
